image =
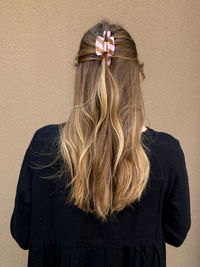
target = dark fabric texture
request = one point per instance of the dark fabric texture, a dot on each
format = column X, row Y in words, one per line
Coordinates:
column 60, row 235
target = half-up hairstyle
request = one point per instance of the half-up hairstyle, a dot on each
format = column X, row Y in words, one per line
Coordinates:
column 100, row 144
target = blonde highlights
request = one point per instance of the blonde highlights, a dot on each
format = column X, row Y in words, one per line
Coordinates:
column 100, row 144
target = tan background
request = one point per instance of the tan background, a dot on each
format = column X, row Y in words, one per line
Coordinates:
column 39, row 40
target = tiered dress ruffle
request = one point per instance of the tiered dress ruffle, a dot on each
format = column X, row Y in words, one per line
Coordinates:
column 98, row 253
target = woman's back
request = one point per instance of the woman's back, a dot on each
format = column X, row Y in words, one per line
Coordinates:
column 62, row 235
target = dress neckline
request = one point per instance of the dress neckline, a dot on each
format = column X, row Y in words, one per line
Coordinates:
column 147, row 130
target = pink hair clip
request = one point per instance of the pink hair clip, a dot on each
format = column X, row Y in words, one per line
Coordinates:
column 107, row 45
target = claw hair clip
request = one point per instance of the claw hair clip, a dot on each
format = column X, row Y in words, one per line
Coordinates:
column 106, row 45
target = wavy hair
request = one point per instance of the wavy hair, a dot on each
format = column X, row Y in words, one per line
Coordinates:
column 100, row 144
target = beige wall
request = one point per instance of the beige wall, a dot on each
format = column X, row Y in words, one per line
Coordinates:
column 39, row 40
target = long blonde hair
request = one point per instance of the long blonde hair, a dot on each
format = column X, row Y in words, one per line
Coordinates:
column 100, row 144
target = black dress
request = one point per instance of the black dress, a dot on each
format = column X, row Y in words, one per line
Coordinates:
column 57, row 235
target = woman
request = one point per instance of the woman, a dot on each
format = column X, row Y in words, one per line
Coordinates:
column 101, row 189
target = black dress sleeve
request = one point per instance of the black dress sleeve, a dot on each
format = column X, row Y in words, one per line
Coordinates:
column 21, row 216
column 176, row 212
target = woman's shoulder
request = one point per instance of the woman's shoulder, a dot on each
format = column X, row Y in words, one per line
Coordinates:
column 165, row 148
column 48, row 130
column 46, row 137
column 165, row 140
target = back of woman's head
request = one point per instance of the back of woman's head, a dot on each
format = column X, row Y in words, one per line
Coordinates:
column 101, row 141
